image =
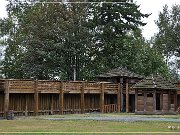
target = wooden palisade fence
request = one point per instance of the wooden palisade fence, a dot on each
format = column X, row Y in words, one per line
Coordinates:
column 40, row 97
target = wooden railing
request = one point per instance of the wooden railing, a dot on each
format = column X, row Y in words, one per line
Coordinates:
column 72, row 87
column 110, row 88
column 110, row 108
column 28, row 97
column 28, row 86
column 21, row 86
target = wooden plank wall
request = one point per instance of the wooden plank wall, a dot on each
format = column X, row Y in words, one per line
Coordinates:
column 72, row 103
column 140, row 103
column 92, row 102
column 39, row 97
column 48, row 104
column 21, row 86
column 149, row 104
column 21, row 104
column 165, row 102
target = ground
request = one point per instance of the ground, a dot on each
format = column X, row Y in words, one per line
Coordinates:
column 93, row 123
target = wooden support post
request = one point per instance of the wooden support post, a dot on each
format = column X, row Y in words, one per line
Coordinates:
column 175, row 100
column 6, row 98
column 169, row 100
column 121, row 89
column 26, row 109
column 145, row 100
column 161, row 101
column 36, row 98
column 82, row 97
column 119, row 98
column 154, row 100
column 61, row 99
column 127, row 96
column 52, row 104
column 102, row 98
column 136, row 96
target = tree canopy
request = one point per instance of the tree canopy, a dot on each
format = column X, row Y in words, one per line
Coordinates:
column 167, row 40
column 56, row 40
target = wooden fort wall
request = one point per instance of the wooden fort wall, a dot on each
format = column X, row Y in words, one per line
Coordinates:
column 39, row 97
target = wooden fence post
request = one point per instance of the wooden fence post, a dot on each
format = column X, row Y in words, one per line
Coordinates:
column 122, row 102
column 102, row 98
column 61, row 99
column 136, row 97
column 52, row 100
column 145, row 100
column 169, row 100
column 6, row 98
column 36, row 98
column 127, row 96
column 175, row 101
column 161, row 100
column 82, row 97
column 119, row 97
column 154, row 100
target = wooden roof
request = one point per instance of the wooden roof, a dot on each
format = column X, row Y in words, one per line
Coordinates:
column 155, row 81
column 119, row 72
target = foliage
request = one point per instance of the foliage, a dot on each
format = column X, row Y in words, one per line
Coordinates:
column 48, row 41
column 51, row 40
column 168, row 38
column 110, row 24
column 146, row 59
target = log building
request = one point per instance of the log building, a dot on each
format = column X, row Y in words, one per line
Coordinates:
column 155, row 95
column 40, row 97
column 113, row 92
column 126, row 79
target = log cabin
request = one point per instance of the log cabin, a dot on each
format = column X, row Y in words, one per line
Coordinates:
column 113, row 92
column 155, row 95
column 126, row 79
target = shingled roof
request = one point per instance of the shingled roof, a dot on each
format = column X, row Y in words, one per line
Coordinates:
column 155, row 81
column 119, row 72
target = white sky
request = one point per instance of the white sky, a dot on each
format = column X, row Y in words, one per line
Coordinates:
column 147, row 6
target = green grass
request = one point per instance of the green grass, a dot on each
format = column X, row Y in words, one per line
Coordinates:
column 39, row 124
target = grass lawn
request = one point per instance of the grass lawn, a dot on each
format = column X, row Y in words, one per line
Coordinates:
column 38, row 124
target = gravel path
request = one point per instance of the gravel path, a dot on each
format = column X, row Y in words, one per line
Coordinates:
column 120, row 118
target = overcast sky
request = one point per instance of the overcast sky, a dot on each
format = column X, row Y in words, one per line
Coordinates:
column 146, row 6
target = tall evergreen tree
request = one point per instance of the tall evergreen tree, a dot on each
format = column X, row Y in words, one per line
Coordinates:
column 111, row 22
column 167, row 40
column 49, row 40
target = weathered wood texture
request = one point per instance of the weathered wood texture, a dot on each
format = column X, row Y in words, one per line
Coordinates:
column 1, row 104
column 165, row 102
column 28, row 97
column 155, row 102
column 140, row 103
column 6, row 98
column 21, row 104
column 72, row 103
column 110, row 108
column 27, row 86
column 127, row 96
column 92, row 102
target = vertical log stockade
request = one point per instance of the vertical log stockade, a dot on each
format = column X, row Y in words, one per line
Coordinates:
column 39, row 97
column 6, row 98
